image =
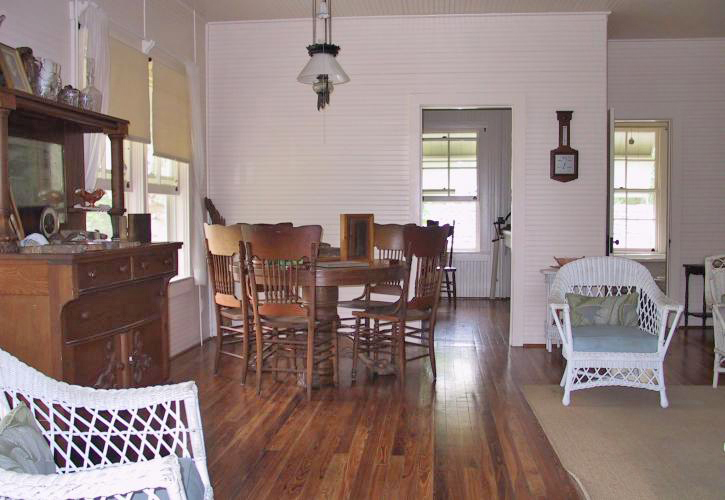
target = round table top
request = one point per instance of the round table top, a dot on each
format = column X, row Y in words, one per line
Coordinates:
column 344, row 273
column 337, row 273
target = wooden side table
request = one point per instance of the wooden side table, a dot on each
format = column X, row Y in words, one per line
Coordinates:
column 550, row 330
column 697, row 270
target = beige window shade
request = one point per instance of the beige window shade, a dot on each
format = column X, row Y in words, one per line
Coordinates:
column 129, row 88
column 171, row 127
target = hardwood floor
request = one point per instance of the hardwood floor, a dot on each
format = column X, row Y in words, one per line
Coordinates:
column 470, row 434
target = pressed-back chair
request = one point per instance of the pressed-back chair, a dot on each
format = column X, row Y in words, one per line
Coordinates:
column 389, row 243
column 448, row 284
column 280, row 284
column 247, row 229
column 224, row 247
column 715, row 298
column 426, row 253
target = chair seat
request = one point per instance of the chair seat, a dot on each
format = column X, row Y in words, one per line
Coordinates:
column 284, row 321
column 390, row 312
column 362, row 304
column 611, row 338
column 233, row 313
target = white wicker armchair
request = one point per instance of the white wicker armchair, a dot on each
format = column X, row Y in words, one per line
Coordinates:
column 714, row 295
column 105, row 443
column 603, row 276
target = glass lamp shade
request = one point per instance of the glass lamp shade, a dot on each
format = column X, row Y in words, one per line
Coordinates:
column 322, row 64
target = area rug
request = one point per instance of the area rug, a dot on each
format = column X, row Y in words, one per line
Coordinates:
column 620, row 444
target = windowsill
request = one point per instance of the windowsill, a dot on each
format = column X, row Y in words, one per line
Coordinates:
column 649, row 257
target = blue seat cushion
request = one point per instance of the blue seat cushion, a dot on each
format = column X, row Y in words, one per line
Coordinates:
column 611, row 338
column 193, row 486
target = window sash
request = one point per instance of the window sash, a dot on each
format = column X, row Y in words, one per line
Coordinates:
column 449, row 162
column 162, row 176
column 658, row 154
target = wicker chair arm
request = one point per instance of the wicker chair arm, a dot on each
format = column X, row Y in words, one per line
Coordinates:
column 718, row 313
column 665, row 303
column 558, row 306
column 21, row 378
column 118, row 481
column 562, row 321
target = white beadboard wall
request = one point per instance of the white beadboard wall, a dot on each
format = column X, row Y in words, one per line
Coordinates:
column 682, row 81
column 45, row 26
column 273, row 157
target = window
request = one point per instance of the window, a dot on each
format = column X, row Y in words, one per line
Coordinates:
column 450, row 184
column 166, row 181
column 640, row 189
column 154, row 185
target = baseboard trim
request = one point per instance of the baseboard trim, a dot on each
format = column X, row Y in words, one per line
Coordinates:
column 190, row 348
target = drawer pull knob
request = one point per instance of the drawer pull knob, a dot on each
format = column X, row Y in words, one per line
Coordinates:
column 144, row 265
column 92, row 274
column 85, row 315
column 167, row 261
column 123, row 268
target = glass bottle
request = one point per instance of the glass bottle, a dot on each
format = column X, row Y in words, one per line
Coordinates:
column 91, row 97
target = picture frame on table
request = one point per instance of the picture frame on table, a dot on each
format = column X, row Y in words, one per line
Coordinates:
column 13, row 71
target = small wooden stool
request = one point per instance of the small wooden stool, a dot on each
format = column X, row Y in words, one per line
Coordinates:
column 697, row 270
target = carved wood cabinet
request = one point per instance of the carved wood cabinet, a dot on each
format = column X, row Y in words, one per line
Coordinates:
column 97, row 318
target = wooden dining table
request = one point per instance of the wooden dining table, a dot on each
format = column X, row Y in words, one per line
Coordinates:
column 330, row 274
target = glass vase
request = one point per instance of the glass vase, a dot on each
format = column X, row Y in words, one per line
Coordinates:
column 91, row 97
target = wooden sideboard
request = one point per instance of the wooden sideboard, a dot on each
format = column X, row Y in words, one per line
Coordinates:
column 97, row 318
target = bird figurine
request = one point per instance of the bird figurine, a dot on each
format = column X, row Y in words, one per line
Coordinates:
column 89, row 199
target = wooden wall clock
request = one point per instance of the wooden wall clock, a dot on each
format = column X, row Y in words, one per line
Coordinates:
column 564, row 159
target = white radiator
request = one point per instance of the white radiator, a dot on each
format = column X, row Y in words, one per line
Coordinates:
column 474, row 274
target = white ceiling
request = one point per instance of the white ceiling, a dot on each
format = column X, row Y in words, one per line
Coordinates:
column 628, row 19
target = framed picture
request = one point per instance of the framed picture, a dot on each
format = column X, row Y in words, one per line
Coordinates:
column 13, row 70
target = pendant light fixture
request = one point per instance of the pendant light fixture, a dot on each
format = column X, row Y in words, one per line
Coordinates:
column 322, row 71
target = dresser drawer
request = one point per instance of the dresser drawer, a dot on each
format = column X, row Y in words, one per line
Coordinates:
column 108, row 310
column 103, row 272
column 153, row 264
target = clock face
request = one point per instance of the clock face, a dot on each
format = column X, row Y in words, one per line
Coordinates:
column 564, row 164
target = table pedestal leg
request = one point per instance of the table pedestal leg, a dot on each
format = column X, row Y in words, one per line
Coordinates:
column 327, row 298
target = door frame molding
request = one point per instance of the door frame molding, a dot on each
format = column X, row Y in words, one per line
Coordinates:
column 517, row 103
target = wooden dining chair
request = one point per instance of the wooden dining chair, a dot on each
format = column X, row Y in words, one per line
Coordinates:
column 448, row 284
column 280, row 285
column 224, row 247
column 215, row 217
column 426, row 252
column 388, row 243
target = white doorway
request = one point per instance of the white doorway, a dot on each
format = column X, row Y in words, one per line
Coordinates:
column 465, row 175
column 638, row 194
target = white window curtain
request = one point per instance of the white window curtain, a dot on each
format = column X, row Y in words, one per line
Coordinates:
column 198, row 175
column 94, row 28
column 197, row 180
